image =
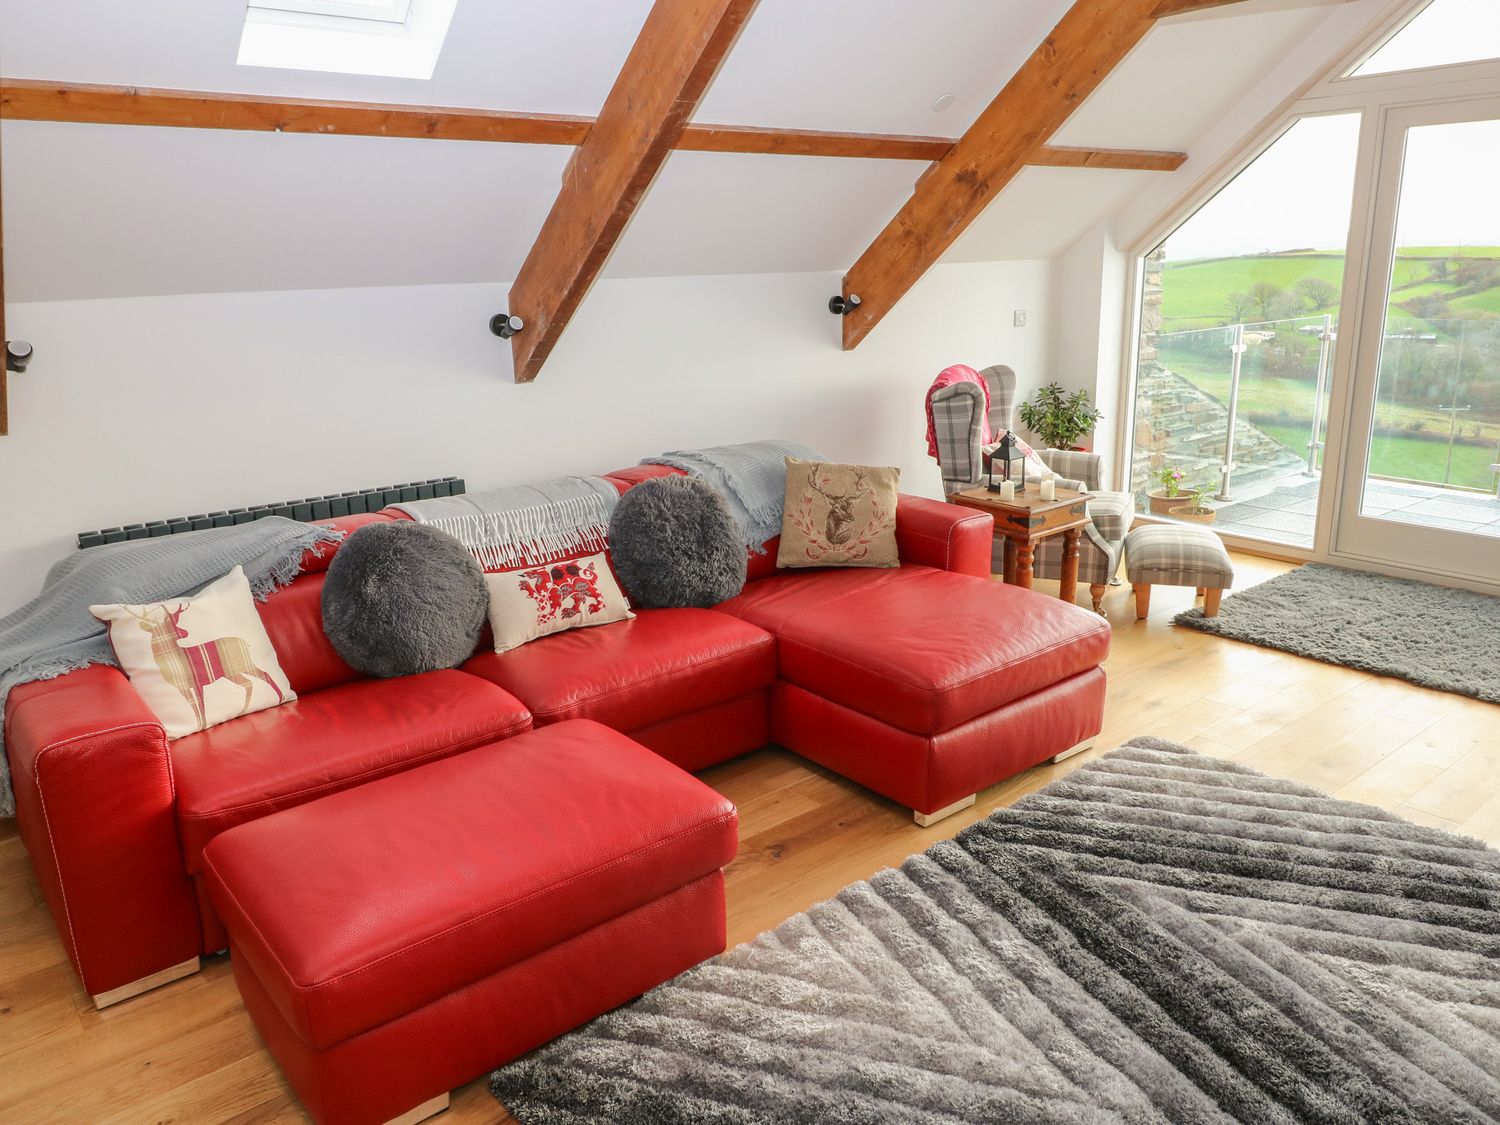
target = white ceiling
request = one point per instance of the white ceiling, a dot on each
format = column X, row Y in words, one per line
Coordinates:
column 106, row 211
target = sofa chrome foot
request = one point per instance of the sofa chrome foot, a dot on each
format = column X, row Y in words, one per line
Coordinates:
column 146, row 984
column 1086, row 744
column 422, row 1112
column 927, row 820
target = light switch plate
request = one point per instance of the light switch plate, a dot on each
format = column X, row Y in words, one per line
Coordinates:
column 1020, row 318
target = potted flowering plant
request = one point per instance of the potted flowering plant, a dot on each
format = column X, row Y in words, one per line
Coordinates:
column 1168, row 492
column 1196, row 510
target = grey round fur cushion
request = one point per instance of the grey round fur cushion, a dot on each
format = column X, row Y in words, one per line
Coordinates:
column 675, row 543
column 402, row 598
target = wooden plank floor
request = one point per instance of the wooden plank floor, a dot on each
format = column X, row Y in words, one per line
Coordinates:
column 187, row 1052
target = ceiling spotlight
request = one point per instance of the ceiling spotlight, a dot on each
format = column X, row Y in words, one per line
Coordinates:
column 941, row 102
column 839, row 305
column 505, row 326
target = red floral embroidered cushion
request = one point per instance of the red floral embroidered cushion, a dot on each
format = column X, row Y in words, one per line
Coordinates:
column 838, row 515
column 535, row 601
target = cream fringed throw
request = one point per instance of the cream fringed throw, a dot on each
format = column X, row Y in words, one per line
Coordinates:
column 55, row 633
column 506, row 527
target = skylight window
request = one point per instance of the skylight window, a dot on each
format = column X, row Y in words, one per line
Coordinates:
column 386, row 38
column 1443, row 32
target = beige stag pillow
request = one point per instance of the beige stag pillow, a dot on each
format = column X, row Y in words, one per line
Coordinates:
column 198, row 661
column 838, row 515
column 536, row 601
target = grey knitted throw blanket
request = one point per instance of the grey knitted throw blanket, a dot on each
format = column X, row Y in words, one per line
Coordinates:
column 526, row 523
column 751, row 476
column 54, row 633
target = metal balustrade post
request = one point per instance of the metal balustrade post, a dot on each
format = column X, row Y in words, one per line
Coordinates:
column 1237, row 353
column 1325, row 348
column 1453, row 413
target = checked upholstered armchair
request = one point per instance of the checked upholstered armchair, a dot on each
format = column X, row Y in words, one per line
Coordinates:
column 957, row 415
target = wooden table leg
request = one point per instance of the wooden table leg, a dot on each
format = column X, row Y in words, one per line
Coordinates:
column 1068, row 590
column 1023, row 563
column 1010, row 560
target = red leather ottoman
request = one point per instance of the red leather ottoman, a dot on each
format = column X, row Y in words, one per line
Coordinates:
column 396, row 940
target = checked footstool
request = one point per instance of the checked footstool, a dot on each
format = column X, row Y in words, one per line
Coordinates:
column 1177, row 555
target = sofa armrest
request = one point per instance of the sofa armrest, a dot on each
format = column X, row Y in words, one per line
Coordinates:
column 97, row 811
column 944, row 536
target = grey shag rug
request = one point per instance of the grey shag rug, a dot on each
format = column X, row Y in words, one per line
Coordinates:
column 1161, row 936
column 1431, row 635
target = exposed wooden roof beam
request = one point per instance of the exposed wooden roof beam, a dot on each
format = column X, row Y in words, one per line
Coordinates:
column 4, row 374
column 1090, row 41
column 32, row 100
column 1165, row 8
column 811, row 142
column 1122, row 159
column 666, row 74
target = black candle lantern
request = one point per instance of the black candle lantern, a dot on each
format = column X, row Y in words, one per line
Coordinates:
column 1003, row 455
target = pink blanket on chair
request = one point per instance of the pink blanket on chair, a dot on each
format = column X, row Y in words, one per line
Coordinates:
column 958, row 373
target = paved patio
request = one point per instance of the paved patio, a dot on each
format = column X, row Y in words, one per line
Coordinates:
column 1285, row 509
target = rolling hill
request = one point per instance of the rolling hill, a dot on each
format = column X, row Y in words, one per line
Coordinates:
column 1195, row 293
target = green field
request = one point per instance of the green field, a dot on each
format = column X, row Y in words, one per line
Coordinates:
column 1393, row 455
column 1407, row 458
column 1294, row 397
column 1195, row 293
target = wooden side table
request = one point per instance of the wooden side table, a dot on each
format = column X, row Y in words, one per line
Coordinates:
column 1028, row 519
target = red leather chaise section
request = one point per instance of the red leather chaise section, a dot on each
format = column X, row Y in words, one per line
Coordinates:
column 923, row 650
column 328, row 741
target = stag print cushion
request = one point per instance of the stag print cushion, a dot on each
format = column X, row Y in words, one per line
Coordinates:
column 838, row 515
column 198, row 661
column 535, row 601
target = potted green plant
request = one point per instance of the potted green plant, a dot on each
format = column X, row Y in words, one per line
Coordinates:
column 1196, row 510
column 1168, row 492
column 1058, row 418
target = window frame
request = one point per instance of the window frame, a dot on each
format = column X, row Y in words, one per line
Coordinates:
column 1333, row 90
column 1391, row 31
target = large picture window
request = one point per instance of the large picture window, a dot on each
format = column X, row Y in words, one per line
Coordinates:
column 1239, row 323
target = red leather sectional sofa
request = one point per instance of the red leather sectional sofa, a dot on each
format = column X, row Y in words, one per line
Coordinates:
column 925, row 683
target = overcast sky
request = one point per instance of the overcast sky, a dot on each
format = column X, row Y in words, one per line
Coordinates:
column 1297, row 195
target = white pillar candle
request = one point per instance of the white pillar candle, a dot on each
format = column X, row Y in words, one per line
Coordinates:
column 1049, row 489
column 1008, row 491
